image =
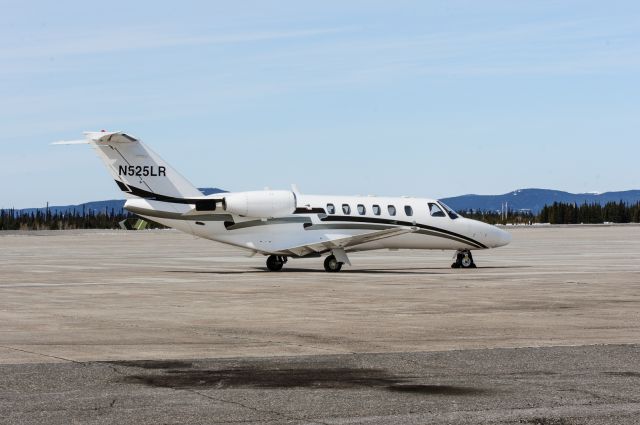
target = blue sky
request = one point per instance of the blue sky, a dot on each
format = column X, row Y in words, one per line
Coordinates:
column 420, row 98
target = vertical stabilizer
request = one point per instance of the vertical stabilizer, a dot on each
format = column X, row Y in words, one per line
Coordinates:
column 137, row 170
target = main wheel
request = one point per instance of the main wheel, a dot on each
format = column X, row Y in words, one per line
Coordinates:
column 332, row 265
column 274, row 263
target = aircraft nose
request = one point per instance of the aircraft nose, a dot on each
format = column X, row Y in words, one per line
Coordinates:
column 491, row 236
column 501, row 237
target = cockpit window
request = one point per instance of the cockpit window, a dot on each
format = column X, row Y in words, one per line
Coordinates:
column 449, row 211
column 435, row 210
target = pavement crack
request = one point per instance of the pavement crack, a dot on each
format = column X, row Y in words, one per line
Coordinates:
column 254, row 409
column 268, row 341
column 43, row 355
column 603, row 397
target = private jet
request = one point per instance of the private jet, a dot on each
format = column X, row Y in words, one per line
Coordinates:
column 286, row 224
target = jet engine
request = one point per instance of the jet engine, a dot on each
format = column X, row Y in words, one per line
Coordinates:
column 260, row 204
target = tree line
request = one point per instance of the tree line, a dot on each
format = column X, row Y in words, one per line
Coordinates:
column 612, row 212
column 556, row 213
column 45, row 219
column 499, row 217
column 564, row 213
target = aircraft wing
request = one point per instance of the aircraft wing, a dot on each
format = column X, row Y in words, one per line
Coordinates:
column 345, row 241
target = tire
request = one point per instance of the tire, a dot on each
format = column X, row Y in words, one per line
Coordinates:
column 274, row 264
column 332, row 265
column 466, row 262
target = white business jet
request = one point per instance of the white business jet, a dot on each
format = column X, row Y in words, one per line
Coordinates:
column 283, row 224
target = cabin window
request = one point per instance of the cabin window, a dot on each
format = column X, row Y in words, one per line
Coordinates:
column 435, row 210
column 376, row 209
column 331, row 209
column 361, row 209
column 392, row 210
column 408, row 210
column 346, row 209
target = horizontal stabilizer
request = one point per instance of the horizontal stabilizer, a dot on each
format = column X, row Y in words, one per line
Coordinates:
column 104, row 137
column 71, row 142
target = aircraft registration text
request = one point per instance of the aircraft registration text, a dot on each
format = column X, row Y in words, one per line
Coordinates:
column 142, row 170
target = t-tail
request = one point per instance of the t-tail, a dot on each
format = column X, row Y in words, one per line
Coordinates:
column 137, row 170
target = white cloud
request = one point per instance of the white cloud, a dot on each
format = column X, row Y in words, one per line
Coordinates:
column 113, row 39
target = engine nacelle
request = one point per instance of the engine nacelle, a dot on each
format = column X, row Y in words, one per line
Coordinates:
column 260, row 204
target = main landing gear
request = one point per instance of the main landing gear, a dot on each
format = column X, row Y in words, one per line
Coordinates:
column 332, row 265
column 275, row 262
column 464, row 260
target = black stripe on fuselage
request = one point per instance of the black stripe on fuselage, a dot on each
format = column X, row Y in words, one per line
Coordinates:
column 309, row 211
column 253, row 223
column 123, row 187
column 141, row 193
column 348, row 226
column 178, row 216
column 435, row 230
column 358, row 226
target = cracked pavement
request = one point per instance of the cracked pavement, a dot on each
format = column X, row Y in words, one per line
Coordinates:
column 160, row 328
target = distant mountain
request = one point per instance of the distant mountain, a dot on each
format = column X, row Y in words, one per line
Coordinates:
column 524, row 199
column 101, row 206
column 535, row 199
column 206, row 191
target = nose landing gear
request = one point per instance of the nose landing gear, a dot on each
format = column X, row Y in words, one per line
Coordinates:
column 275, row 262
column 463, row 260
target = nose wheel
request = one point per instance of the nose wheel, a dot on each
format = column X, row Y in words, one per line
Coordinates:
column 463, row 260
column 275, row 262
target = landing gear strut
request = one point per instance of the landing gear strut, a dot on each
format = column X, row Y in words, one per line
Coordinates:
column 275, row 262
column 464, row 260
column 332, row 265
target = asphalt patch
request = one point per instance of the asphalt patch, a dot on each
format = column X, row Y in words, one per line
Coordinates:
column 436, row 389
column 287, row 377
column 153, row 364
column 626, row 374
column 550, row 421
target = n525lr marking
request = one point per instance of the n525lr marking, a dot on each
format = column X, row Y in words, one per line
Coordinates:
column 142, row 170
